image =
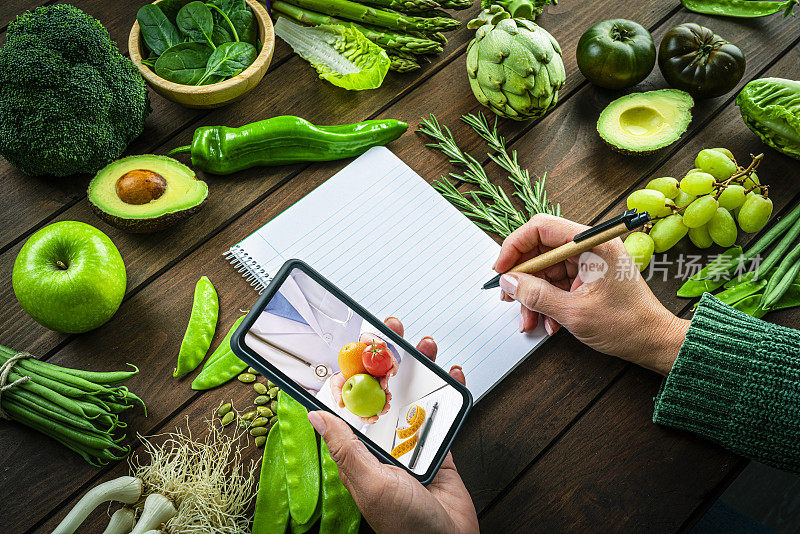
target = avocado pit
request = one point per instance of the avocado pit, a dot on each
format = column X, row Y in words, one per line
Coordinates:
column 140, row 186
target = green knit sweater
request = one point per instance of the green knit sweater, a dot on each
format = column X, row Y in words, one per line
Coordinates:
column 737, row 381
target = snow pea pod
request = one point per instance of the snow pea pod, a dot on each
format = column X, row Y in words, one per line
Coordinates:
column 713, row 275
column 200, row 330
column 750, row 306
column 740, row 291
column 222, row 365
column 745, row 9
column 302, row 528
column 301, row 458
column 340, row 515
column 272, row 501
column 790, row 299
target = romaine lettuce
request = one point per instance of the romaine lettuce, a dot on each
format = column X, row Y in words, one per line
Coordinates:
column 771, row 108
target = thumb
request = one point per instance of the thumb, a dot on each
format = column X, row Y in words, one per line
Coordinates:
column 355, row 462
column 538, row 295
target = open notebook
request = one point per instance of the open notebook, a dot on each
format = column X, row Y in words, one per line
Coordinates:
column 386, row 238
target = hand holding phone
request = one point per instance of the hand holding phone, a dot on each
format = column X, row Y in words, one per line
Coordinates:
column 389, row 499
column 330, row 354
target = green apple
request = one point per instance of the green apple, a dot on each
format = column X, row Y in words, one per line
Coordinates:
column 363, row 395
column 69, row 277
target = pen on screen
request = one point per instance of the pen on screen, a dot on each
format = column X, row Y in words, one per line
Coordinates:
column 423, row 436
column 584, row 241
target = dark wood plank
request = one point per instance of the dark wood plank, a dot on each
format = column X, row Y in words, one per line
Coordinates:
column 614, row 471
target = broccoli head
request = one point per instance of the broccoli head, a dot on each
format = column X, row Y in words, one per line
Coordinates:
column 69, row 101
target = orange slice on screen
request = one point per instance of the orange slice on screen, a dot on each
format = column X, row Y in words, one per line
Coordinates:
column 350, row 361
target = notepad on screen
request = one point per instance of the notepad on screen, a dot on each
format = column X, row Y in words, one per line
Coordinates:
column 384, row 236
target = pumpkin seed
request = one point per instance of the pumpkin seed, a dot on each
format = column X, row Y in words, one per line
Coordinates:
column 273, row 406
column 260, row 441
column 263, row 411
column 252, row 371
column 249, row 416
column 247, row 378
column 270, row 384
column 259, row 421
column 259, row 431
column 261, row 399
column 228, row 418
column 260, row 388
column 224, row 409
column 244, row 424
column 273, row 392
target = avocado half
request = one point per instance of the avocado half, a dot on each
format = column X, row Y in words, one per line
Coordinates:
column 640, row 123
column 147, row 193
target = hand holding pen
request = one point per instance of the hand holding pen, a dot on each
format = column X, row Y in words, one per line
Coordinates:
column 616, row 314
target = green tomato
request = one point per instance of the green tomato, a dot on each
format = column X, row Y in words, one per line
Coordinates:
column 616, row 53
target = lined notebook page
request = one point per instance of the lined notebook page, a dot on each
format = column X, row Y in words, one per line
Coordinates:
column 386, row 238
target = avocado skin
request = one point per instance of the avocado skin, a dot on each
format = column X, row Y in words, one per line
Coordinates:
column 151, row 224
column 147, row 226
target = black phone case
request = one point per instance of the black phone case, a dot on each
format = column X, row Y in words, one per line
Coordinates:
column 309, row 401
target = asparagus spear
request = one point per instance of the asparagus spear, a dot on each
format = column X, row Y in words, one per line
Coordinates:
column 456, row 4
column 377, row 17
column 405, row 6
column 402, row 63
column 408, row 44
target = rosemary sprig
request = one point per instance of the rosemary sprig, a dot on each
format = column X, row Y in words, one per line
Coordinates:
column 489, row 206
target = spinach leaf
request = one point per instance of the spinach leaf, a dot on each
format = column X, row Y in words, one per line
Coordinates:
column 184, row 63
column 221, row 19
column 158, row 32
column 220, row 35
column 195, row 22
column 171, row 8
column 229, row 59
column 229, row 6
column 246, row 27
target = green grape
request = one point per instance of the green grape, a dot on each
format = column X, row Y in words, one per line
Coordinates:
column 648, row 200
column 754, row 213
column 699, row 236
column 726, row 152
column 683, row 199
column 667, row 232
column 751, row 181
column 732, row 197
column 722, row 228
column 715, row 163
column 697, row 183
column 700, row 211
column 640, row 246
column 667, row 185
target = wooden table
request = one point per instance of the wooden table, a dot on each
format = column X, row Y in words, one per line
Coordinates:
column 565, row 443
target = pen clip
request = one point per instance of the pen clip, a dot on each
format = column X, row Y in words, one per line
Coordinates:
column 631, row 218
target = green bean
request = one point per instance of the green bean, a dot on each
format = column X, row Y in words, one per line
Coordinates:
column 92, row 439
column 53, row 411
column 790, row 299
column 272, row 501
column 301, row 458
column 780, row 249
column 774, row 292
column 65, row 378
column 222, row 365
column 340, row 515
column 111, row 377
column 201, row 327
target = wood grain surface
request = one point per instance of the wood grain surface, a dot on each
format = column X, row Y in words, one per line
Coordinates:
column 565, row 443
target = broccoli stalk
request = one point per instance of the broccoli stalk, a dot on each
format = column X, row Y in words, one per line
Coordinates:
column 69, row 101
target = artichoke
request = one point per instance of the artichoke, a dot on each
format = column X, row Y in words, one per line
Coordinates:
column 771, row 108
column 514, row 66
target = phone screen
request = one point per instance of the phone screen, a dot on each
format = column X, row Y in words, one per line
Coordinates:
column 353, row 365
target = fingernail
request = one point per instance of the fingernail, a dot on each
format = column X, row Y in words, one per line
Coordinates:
column 391, row 317
column 548, row 328
column 426, row 337
column 457, row 367
column 509, row 284
column 317, row 422
column 521, row 323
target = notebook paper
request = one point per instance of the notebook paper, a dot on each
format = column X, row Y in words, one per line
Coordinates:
column 385, row 237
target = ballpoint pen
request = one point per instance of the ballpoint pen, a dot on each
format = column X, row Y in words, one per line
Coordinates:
column 584, row 241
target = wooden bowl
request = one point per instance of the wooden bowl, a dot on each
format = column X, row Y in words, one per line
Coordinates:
column 217, row 94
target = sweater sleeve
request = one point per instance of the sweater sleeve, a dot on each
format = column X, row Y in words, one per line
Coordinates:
column 737, row 381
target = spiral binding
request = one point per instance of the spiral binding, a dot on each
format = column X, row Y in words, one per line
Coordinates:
column 251, row 271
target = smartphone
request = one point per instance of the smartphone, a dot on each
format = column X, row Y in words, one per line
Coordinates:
column 329, row 353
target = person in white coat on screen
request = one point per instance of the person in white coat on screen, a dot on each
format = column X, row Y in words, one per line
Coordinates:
column 301, row 331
